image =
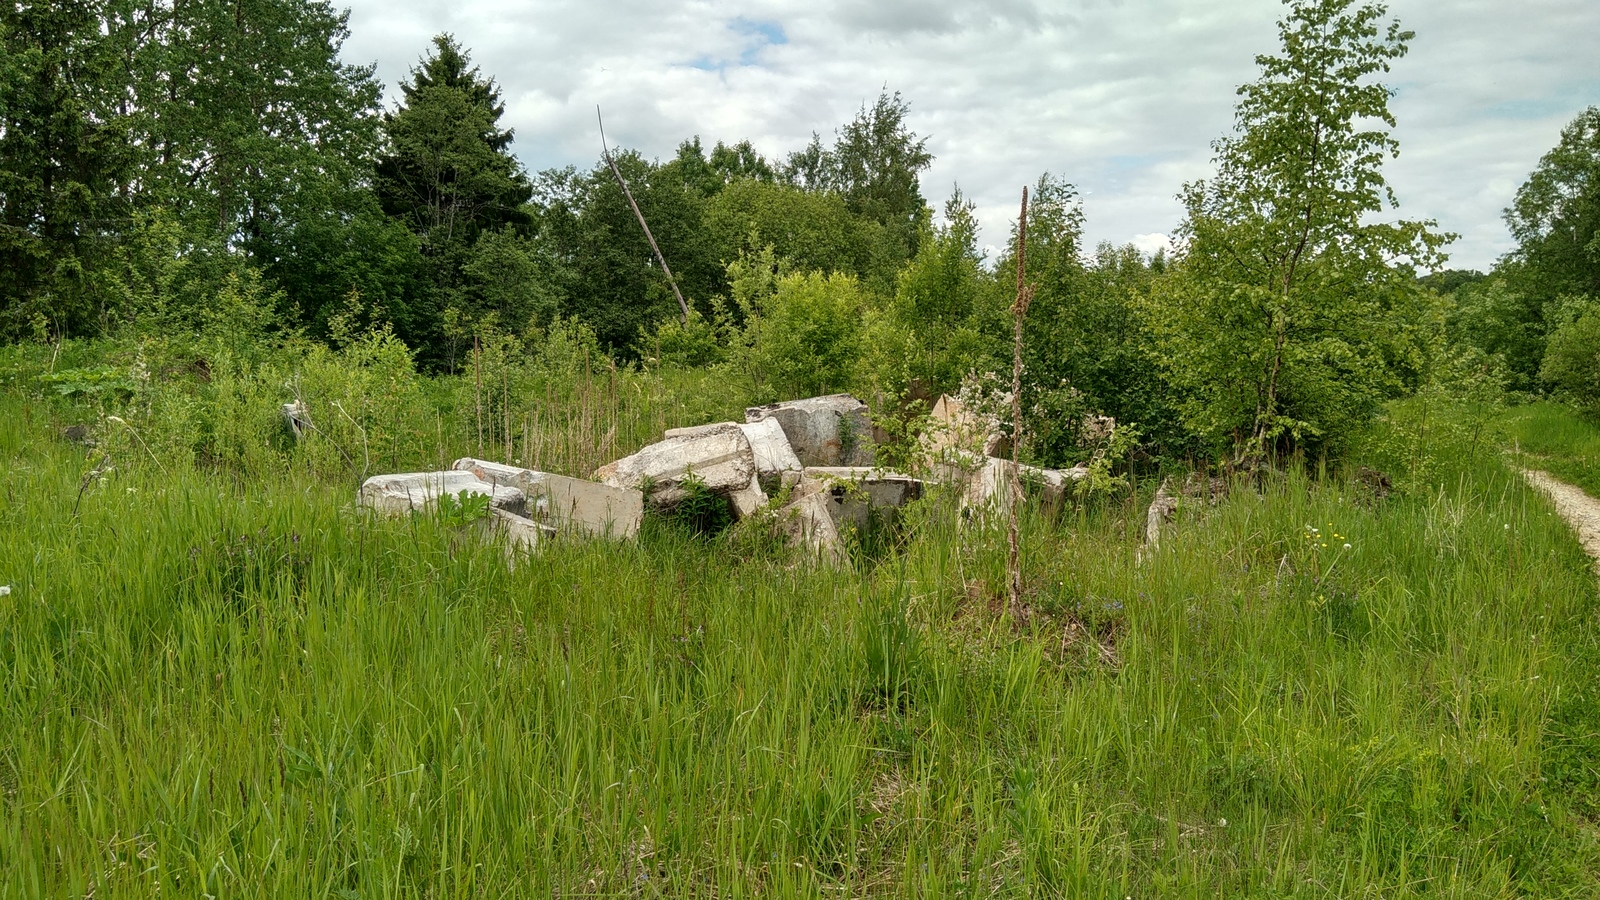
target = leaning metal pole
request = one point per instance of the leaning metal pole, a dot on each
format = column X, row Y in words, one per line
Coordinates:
column 606, row 152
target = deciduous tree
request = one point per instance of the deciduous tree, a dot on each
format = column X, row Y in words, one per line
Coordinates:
column 1294, row 311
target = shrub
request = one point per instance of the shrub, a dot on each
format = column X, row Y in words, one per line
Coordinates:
column 807, row 338
column 1572, row 359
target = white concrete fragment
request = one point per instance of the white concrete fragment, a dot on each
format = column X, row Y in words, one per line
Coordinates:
column 744, row 503
column 768, row 445
column 1053, row 484
column 806, row 522
column 823, row 431
column 857, row 492
column 959, row 436
column 520, row 534
column 989, row 487
column 719, row 456
column 775, row 459
column 296, row 418
column 417, row 491
column 1161, row 510
column 567, row 504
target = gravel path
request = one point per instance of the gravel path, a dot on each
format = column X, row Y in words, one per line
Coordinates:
column 1580, row 510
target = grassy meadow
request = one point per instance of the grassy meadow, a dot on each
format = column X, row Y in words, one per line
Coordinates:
column 220, row 680
column 1549, row 436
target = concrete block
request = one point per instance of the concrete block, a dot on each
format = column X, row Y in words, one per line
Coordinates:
column 418, row 491
column 719, row 456
column 567, row 504
column 823, row 431
column 806, row 522
column 857, row 493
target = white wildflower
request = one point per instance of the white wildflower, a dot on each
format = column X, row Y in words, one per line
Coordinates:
column 5, row 590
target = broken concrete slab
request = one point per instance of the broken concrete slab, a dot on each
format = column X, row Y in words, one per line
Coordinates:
column 988, row 488
column 823, row 431
column 744, row 503
column 418, row 491
column 296, row 419
column 774, row 457
column 567, row 504
column 806, row 522
column 1052, row 484
column 1162, row 508
column 718, row 456
column 518, row 533
column 958, row 435
column 858, row 493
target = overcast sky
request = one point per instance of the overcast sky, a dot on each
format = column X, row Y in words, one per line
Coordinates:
column 1122, row 97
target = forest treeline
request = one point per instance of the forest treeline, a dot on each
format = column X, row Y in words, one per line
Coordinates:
column 172, row 168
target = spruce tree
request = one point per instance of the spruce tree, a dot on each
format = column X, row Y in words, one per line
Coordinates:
column 65, row 154
column 447, row 173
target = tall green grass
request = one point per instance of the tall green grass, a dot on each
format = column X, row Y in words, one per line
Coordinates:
column 226, row 686
column 1557, row 438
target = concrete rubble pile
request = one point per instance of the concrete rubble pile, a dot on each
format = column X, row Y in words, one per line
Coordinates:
column 816, row 456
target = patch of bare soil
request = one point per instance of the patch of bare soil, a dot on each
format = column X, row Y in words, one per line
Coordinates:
column 1580, row 510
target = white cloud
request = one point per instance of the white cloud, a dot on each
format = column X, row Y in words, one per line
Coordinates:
column 1122, row 98
column 1150, row 243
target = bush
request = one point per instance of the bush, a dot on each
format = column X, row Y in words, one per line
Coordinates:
column 808, row 335
column 1572, row 359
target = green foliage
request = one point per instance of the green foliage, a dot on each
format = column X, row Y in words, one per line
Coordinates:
column 946, row 319
column 874, row 165
column 446, row 171
column 701, row 512
column 1293, row 313
column 696, row 342
column 268, row 677
column 1558, row 439
column 65, row 148
column 608, row 276
column 1572, row 358
column 91, row 383
column 1556, row 221
column 806, row 338
column 815, row 230
column 509, row 279
column 1499, row 319
column 1088, row 344
column 1102, row 481
column 461, row 510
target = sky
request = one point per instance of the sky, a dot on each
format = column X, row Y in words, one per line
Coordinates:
column 1120, row 97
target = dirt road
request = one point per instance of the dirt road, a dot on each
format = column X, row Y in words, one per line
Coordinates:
column 1580, row 510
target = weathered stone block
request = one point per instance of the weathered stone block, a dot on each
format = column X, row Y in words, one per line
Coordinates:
column 417, row 491
column 806, row 522
column 823, row 431
column 775, row 458
column 296, row 419
column 567, row 504
column 857, row 493
column 957, row 435
column 719, row 456
column 520, row 534
column 988, row 488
